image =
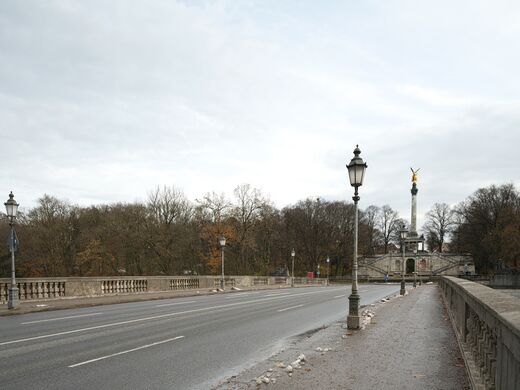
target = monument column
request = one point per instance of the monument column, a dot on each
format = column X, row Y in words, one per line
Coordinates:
column 414, row 190
column 413, row 219
column 413, row 236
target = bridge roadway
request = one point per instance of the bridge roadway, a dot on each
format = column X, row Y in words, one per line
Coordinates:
column 181, row 343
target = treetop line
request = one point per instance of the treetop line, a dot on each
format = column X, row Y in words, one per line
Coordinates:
column 171, row 235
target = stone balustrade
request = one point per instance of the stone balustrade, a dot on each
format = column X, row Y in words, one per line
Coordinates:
column 34, row 289
column 318, row 281
column 37, row 289
column 260, row 281
column 487, row 324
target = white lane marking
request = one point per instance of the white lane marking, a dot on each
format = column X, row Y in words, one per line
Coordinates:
column 127, row 351
column 364, row 290
column 172, row 304
column 156, row 317
column 60, row 318
column 289, row 308
column 340, row 296
column 276, row 295
column 235, row 295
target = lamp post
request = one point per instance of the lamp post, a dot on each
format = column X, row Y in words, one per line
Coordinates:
column 403, row 233
column 356, row 173
column 222, row 242
column 12, row 210
column 328, row 270
column 293, row 253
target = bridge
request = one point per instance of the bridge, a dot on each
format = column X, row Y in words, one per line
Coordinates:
column 198, row 337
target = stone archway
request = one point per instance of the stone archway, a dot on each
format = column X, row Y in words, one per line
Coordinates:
column 410, row 266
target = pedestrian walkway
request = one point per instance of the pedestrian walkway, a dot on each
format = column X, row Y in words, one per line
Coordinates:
column 409, row 344
column 71, row 303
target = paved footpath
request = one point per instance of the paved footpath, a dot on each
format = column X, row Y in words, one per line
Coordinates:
column 409, row 344
column 72, row 303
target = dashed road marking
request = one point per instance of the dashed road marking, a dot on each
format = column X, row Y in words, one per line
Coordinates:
column 60, row 318
column 124, row 352
column 289, row 308
column 175, row 303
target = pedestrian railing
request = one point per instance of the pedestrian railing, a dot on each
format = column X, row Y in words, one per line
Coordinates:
column 184, row 284
column 487, row 324
column 260, row 281
column 123, row 286
column 34, row 289
column 310, row 281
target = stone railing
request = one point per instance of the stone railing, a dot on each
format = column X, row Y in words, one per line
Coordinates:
column 260, row 281
column 36, row 289
column 487, row 324
column 505, row 281
column 319, row 281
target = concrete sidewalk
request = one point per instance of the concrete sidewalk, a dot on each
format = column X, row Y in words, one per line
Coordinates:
column 71, row 303
column 409, row 344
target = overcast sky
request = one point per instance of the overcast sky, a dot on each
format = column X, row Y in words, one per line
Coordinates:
column 101, row 101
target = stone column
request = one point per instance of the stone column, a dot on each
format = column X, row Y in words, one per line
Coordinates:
column 413, row 219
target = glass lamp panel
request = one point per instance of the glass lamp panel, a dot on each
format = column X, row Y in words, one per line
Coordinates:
column 222, row 241
column 11, row 208
column 361, row 174
column 352, row 175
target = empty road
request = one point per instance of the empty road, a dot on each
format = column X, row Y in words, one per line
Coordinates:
column 182, row 343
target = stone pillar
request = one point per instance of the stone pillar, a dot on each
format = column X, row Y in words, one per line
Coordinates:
column 413, row 219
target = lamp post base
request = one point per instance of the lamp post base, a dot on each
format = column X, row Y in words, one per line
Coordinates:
column 353, row 319
column 403, row 288
column 13, row 299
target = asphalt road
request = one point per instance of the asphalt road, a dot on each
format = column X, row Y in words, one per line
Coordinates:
column 182, row 343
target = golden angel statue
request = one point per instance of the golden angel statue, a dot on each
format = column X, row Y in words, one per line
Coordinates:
column 414, row 174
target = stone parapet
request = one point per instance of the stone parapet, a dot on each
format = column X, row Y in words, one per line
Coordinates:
column 505, row 281
column 38, row 289
column 487, row 324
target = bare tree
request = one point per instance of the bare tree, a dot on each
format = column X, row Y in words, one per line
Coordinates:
column 369, row 231
column 212, row 214
column 245, row 217
column 169, row 231
column 387, row 224
column 439, row 223
column 487, row 223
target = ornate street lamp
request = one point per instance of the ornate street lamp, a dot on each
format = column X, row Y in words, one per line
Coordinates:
column 12, row 210
column 222, row 242
column 328, row 270
column 403, row 233
column 293, row 253
column 356, row 173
